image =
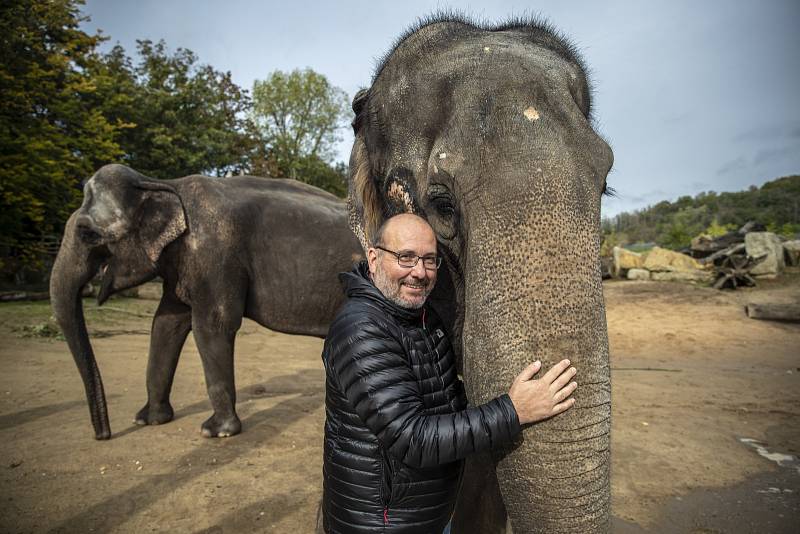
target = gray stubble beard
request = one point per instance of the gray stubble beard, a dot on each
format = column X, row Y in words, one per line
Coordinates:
column 392, row 292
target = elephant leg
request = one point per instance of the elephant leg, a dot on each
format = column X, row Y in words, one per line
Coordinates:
column 215, row 342
column 479, row 508
column 171, row 325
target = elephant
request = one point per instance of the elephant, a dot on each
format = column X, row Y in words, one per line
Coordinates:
column 486, row 132
column 226, row 248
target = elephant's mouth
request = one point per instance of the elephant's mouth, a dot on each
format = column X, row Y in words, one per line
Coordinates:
column 107, row 284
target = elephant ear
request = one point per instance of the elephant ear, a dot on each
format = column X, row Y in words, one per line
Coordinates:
column 161, row 217
column 363, row 202
column 358, row 108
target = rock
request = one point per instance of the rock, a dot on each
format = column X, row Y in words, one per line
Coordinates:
column 638, row 274
column 606, row 267
column 791, row 251
column 752, row 226
column 624, row 260
column 693, row 275
column 702, row 243
column 661, row 259
column 765, row 243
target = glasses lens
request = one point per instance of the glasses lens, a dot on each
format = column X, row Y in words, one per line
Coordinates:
column 431, row 262
column 407, row 260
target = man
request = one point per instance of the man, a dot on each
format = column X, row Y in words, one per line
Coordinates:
column 397, row 422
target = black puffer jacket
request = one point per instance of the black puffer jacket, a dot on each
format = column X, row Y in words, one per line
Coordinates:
column 397, row 424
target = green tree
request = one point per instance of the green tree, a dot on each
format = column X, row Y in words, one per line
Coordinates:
column 718, row 230
column 52, row 133
column 299, row 115
column 177, row 117
column 776, row 204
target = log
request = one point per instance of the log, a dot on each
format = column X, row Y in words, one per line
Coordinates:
column 734, row 271
column 723, row 253
column 702, row 246
column 773, row 311
column 16, row 296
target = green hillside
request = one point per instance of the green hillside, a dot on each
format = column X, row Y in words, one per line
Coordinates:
column 775, row 204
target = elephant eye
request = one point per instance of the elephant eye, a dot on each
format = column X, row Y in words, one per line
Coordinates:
column 442, row 201
column 88, row 235
column 442, row 207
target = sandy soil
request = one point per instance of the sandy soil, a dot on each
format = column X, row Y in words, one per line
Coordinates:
column 692, row 376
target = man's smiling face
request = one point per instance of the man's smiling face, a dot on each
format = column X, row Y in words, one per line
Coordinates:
column 408, row 287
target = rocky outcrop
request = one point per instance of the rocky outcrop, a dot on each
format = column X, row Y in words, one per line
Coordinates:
column 663, row 260
column 638, row 274
column 758, row 244
column 625, row 260
column 791, row 251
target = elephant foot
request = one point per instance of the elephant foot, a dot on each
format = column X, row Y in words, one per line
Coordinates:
column 154, row 415
column 221, row 427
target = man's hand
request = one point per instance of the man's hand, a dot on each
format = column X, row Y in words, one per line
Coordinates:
column 535, row 400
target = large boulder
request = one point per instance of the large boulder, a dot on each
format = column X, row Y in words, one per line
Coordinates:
column 625, row 260
column 765, row 243
column 663, row 260
column 693, row 275
column 638, row 274
column 792, row 252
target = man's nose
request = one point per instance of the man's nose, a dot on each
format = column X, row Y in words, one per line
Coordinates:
column 419, row 269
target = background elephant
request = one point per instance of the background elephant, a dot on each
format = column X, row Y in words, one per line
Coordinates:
column 229, row 248
column 486, row 132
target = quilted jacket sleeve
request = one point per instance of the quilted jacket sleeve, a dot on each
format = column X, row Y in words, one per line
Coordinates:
column 374, row 375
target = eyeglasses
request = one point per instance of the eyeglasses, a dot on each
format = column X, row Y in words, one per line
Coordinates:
column 408, row 260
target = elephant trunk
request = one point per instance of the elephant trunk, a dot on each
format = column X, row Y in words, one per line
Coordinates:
column 75, row 266
column 533, row 291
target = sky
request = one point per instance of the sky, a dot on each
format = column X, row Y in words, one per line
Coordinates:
column 691, row 96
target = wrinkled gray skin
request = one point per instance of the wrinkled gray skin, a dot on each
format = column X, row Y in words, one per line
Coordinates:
column 486, row 133
column 227, row 248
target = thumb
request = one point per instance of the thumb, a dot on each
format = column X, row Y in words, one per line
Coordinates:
column 529, row 371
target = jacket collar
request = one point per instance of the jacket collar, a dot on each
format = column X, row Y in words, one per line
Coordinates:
column 358, row 284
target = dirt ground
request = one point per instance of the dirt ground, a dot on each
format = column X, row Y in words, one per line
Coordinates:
column 692, row 378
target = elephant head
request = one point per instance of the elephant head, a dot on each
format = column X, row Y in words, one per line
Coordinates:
column 125, row 222
column 486, row 133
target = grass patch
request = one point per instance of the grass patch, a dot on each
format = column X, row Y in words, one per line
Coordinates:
column 46, row 330
column 35, row 319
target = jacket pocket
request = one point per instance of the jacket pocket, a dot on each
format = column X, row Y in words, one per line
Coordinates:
column 387, row 479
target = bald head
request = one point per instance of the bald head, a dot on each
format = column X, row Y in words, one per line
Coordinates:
column 403, row 223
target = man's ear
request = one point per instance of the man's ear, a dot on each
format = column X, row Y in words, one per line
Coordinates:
column 372, row 260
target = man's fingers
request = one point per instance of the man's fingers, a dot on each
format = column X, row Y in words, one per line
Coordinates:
column 565, row 392
column 555, row 371
column 529, row 371
column 563, row 379
column 563, row 406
